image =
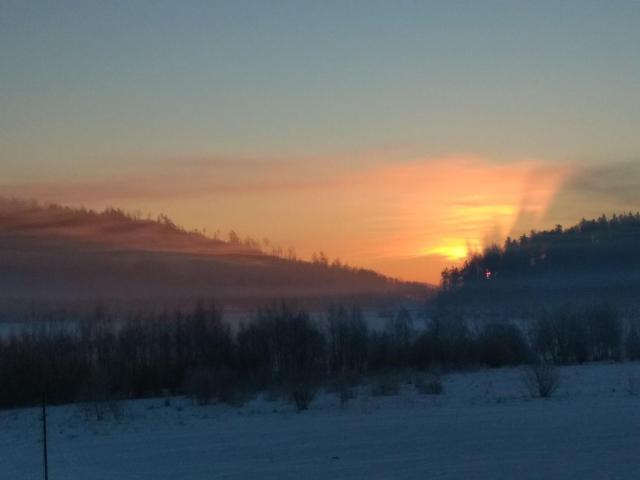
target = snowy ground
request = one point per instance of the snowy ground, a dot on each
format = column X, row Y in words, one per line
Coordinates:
column 482, row 427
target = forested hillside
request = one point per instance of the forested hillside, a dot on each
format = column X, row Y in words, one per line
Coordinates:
column 593, row 261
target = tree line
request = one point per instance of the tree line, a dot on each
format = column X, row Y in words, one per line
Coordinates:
column 281, row 349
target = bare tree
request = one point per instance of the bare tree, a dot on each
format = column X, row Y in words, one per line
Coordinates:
column 234, row 239
column 541, row 379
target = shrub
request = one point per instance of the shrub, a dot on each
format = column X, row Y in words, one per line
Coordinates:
column 207, row 384
column 447, row 342
column 97, row 401
column 431, row 385
column 347, row 337
column 302, row 394
column 633, row 385
column 101, row 409
column 199, row 385
column 343, row 386
column 227, row 388
column 632, row 344
column 569, row 337
column 503, row 344
column 541, row 379
column 605, row 329
column 386, row 385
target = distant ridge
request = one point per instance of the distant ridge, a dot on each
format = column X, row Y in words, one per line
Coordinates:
column 57, row 252
column 112, row 227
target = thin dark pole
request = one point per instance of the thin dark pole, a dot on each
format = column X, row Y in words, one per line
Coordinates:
column 44, row 436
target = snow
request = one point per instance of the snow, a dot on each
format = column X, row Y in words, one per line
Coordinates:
column 482, row 427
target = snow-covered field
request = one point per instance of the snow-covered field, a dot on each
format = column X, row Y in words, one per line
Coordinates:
column 482, row 427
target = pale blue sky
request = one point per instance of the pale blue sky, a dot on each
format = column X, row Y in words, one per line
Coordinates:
column 96, row 85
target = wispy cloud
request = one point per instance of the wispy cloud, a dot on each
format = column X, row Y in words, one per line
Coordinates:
column 592, row 190
column 190, row 180
column 618, row 182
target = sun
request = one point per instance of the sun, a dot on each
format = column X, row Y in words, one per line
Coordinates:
column 454, row 252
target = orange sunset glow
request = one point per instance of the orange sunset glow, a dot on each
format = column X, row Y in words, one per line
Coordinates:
column 407, row 219
column 448, row 207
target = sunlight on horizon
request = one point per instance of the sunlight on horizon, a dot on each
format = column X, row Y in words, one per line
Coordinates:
column 439, row 209
column 450, row 252
column 452, row 206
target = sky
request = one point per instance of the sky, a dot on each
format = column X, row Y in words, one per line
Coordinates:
column 394, row 135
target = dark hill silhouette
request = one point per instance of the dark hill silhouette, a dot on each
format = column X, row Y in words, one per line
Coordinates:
column 593, row 261
column 55, row 252
column 111, row 227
